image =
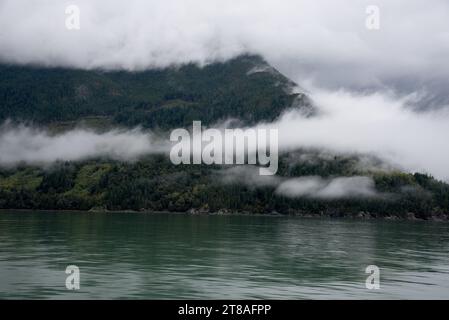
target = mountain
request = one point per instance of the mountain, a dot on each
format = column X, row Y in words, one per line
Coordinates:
column 245, row 88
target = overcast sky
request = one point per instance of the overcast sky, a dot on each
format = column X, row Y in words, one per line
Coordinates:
column 326, row 41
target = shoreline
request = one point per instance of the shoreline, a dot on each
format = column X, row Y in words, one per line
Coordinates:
column 339, row 216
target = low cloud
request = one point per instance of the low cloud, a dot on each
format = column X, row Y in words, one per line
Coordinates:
column 326, row 40
column 336, row 188
column 306, row 186
column 21, row 144
column 379, row 124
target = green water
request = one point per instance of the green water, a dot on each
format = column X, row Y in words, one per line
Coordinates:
column 211, row 257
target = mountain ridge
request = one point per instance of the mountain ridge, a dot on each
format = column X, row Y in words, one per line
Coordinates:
column 245, row 87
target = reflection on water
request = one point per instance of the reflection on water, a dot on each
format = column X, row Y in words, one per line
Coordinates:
column 180, row 256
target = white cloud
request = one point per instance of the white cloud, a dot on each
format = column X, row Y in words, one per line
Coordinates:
column 306, row 186
column 377, row 123
column 336, row 188
column 326, row 40
column 33, row 146
column 322, row 40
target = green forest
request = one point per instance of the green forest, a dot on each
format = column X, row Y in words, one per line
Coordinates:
column 155, row 184
column 156, row 99
column 61, row 99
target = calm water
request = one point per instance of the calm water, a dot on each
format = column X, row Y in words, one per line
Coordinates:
column 180, row 256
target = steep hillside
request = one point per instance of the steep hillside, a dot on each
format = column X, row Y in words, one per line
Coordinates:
column 246, row 88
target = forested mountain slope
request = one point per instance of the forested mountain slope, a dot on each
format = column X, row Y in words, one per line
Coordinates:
column 245, row 88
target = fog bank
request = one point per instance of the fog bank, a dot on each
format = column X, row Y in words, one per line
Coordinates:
column 22, row 144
